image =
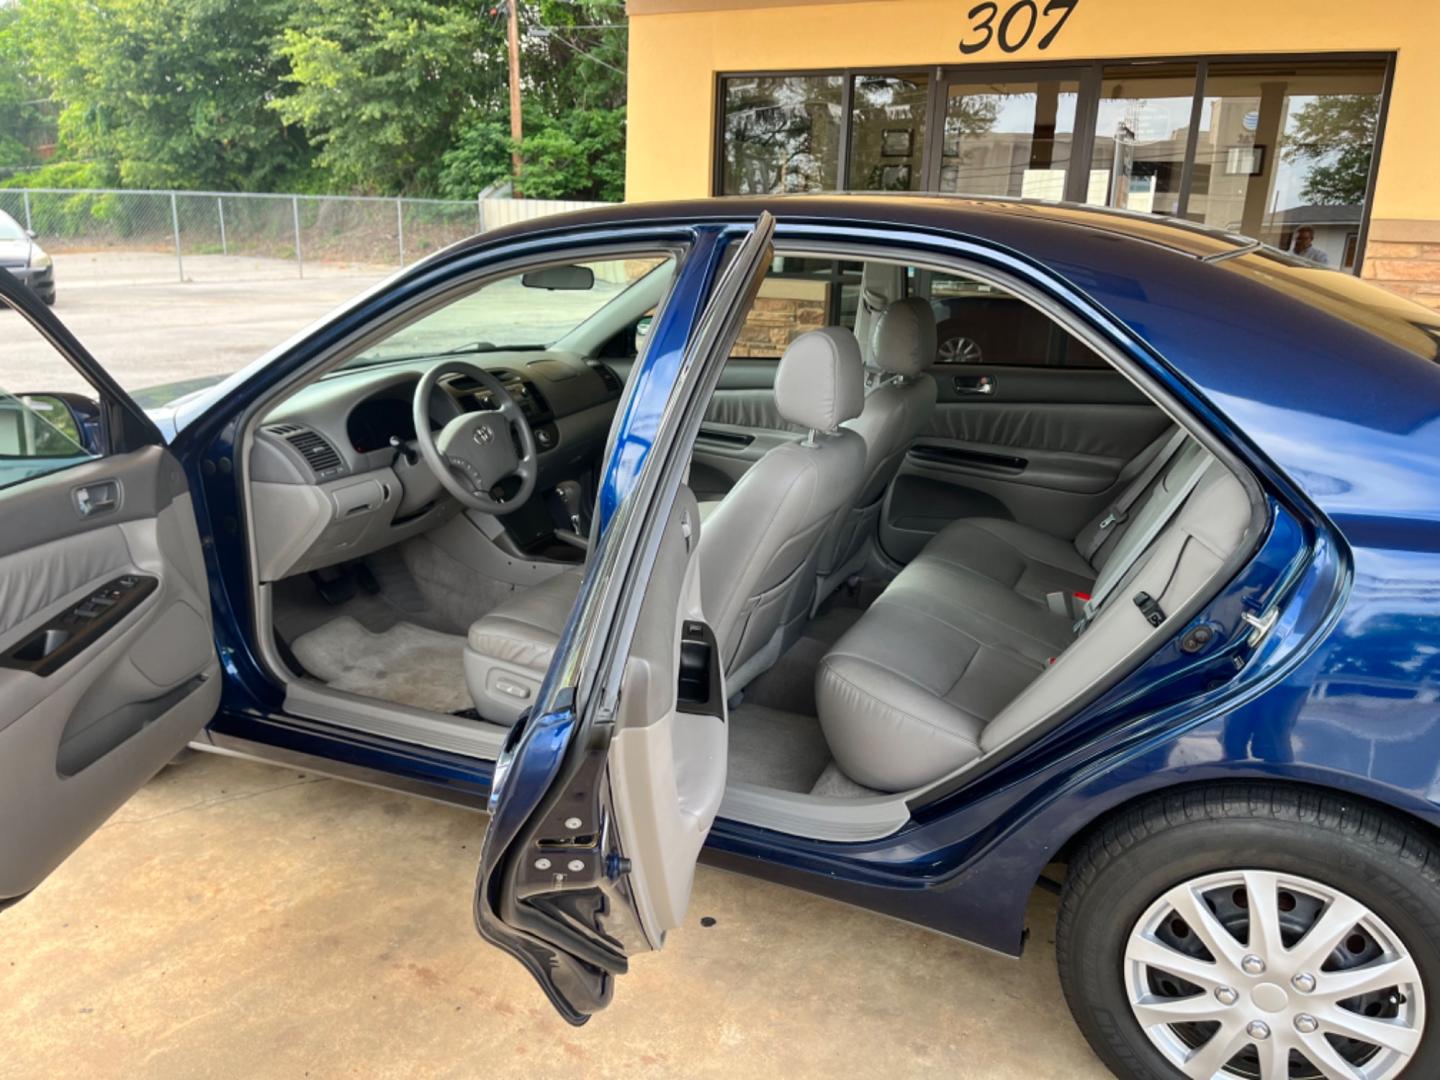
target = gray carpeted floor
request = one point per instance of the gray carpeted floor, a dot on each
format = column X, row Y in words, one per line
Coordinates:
column 790, row 684
column 775, row 736
column 405, row 663
column 776, row 749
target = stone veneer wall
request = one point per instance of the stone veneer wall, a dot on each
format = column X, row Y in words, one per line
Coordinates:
column 1404, row 257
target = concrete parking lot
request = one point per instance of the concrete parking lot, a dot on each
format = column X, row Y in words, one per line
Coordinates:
column 241, row 920
column 148, row 328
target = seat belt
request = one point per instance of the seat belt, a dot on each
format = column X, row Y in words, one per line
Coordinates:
column 1125, row 558
column 1120, row 509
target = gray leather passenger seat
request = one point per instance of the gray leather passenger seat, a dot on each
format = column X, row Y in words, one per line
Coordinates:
column 966, row 649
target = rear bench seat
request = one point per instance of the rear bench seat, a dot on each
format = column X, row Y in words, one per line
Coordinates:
column 966, row 648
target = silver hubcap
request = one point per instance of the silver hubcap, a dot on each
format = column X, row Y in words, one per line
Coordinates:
column 1268, row 976
column 959, row 350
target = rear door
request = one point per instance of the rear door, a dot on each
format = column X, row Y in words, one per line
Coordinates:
column 107, row 661
column 1029, row 423
column 604, row 798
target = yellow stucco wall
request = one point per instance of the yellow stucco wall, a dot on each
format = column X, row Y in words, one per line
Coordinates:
column 674, row 58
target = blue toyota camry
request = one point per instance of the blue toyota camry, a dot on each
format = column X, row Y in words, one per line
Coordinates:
column 677, row 532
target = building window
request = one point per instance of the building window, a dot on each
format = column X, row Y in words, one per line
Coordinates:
column 1141, row 123
column 887, row 133
column 1010, row 138
column 1277, row 150
column 1283, row 153
column 781, row 134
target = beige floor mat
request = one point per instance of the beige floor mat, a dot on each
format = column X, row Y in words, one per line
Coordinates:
column 406, row 664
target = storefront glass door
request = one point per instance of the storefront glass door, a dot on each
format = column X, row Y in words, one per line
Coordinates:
column 1007, row 136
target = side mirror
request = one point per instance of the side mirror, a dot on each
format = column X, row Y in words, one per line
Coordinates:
column 62, row 424
column 567, row 278
column 642, row 331
column 32, row 234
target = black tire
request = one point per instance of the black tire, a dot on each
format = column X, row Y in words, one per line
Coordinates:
column 1134, row 858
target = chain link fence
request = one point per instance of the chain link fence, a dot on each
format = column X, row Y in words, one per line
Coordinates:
column 211, row 235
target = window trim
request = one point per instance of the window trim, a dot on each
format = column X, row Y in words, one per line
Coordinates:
column 1089, row 74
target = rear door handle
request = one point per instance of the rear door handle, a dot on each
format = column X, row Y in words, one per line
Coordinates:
column 99, row 498
column 975, row 385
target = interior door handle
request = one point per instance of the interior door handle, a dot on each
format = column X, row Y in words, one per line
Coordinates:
column 98, row 498
column 975, row 385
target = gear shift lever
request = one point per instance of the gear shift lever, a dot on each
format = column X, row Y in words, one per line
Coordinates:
column 569, row 492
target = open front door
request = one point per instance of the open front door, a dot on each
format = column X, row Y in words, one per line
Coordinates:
column 107, row 660
column 605, row 795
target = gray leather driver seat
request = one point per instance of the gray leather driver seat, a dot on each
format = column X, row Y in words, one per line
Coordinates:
column 897, row 408
column 758, row 547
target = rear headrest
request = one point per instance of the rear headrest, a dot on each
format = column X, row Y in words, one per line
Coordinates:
column 903, row 341
column 821, row 382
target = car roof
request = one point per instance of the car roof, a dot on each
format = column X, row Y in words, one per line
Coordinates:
column 1334, row 378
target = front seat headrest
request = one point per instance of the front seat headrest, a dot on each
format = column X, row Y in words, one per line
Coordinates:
column 821, row 381
column 904, row 340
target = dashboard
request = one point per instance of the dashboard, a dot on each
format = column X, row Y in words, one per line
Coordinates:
column 333, row 471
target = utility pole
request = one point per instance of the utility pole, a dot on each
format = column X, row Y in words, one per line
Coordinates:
column 516, row 127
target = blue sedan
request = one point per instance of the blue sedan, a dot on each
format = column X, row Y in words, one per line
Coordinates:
column 678, row 532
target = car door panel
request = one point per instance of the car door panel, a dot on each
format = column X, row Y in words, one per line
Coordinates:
column 108, row 665
column 76, row 741
column 1043, row 446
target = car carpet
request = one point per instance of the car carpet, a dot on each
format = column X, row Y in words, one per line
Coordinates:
column 405, row 664
column 789, row 684
column 776, row 749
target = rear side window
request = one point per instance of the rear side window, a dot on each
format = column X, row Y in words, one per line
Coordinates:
column 979, row 323
column 48, row 416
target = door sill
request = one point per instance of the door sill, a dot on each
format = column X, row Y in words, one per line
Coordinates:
column 403, row 723
column 815, row 817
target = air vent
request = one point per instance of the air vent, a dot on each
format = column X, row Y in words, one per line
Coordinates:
column 608, row 377
column 322, row 458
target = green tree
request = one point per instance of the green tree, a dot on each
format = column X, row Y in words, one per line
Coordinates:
column 578, row 156
column 22, row 123
column 169, row 93
column 382, row 89
column 1337, row 133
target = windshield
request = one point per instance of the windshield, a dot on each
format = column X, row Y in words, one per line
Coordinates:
column 10, row 229
column 532, row 310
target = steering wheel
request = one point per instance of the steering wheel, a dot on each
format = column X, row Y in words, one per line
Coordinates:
column 476, row 450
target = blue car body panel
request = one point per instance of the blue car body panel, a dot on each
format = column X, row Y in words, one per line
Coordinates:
column 1337, row 423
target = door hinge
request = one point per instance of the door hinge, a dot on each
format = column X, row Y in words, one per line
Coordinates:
column 1260, row 625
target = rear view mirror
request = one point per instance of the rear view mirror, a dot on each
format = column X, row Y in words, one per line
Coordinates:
column 642, row 331
column 576, row 278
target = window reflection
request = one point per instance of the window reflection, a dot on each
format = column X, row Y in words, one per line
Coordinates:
column 1008, row 138
column 782, row 134
column 887, row 138
column 1284, row 154
column 1282, row 151
column 1141, row 123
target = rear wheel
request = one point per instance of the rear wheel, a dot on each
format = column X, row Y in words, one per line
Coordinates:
column 1255, row 932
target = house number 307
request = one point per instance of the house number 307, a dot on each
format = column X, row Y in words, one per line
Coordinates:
column 1013, row 28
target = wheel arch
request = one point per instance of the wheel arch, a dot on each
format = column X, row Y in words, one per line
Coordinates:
column 1249, row 783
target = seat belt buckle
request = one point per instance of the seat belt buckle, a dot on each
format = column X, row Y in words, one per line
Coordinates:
column 1067, row 604
column 1150, row 608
